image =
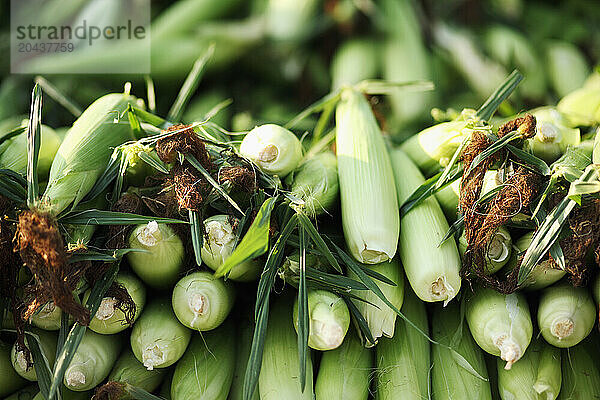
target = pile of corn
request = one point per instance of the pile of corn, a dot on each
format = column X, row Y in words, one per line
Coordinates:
column 333, row 253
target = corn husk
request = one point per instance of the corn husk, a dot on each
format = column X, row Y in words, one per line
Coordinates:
column 580, row 372
column 566, row 315
column 369, row 206
column 278, row 377
column 245, row 331
column 431, row 267
column 344, row 373
column 500, row 323
column 553, row 136
column 47, row 343
column 10, row 381
column 129, row 370
column 450, row 379
column 206, row 369
column 355, row 60
column 403, row 362
column 537, row 376
column 316, row 183
column 85, row 151
column 381, row 319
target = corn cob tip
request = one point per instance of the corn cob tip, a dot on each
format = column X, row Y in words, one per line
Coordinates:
column 510, row 351
column 152, row 355
column 106, row 309
column 150, row 234
column 75, row 377
column 562, row 327
column 441, row 290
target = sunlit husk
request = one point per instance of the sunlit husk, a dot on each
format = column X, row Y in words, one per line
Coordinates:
column 355, row 60
column 381, row 319
column 500, row 324
column 403, row 362
column 368, row 193
column 431, row 267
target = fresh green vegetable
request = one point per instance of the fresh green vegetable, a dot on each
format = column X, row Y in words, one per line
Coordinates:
column 566, row 315
column 245, row 331
column 278, row 377
column 567, row 67
column 431, row 267
column 162, row 259
column 201, row 301
column 344, row 373
column 84, row 153
column 580, row 372
column 354, row 61
column 403, row 361
column 552, row 134
column 47, row 342
column 109, row 319
column 500, row 323
column 275, row 150
column 316, row 183
column 329, row 319
column 206, row 369
column 158, row 340
column 92, row 361
column 218, row 244
column 10, row 381
column 380, row 318
column 536, row 376
column 368, row 193
column 581, row 107
column 129, row 370
column 498, row 252
column 449, row 378
column 543, row 274
column 47, row 317
column 13, row 152
column 27, row 393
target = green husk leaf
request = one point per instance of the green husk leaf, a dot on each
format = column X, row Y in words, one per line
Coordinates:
column 196, row 232
column 41, row 364
column 152, row 160
column 101, row 217
column 190, row 85
column 255, row 242
column 34, row 129
column 531, row 162
column 303, row 322
column 136, row 126
column 140, row 394
column 77, row 331
column 491, row 150
column 492, row 103
column 360, row 321
column 306, row 223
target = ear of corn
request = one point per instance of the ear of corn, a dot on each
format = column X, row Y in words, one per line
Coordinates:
column 275, row 150
column 543, row 274
column 206, row 369
column 566, row 315
column 581, row 106
column 109, row 319
column 47, row 317
column 500, row 323
column 450, row 380
column 278, row 377
column 344, row 373
column 448, row 199
column 10, row 381
column 567, row 67
column 48, row 347
column 13, row 152
column 158, row 340
column 245, row 331
column 85, row 151
column 129, row 370
column 316, row 183
column 201, row 301
column 161, row 262
column 217, row 246
column 329, row 319
column 355, row 60
column 369, row 206
column 433, row 147
column 431, row 267
column 580, row 372
column 498, row 252
column 553, row 136
column 381, row 319
column 403, row 361
column 537, row 376
column 92, row 361
column 27, row 393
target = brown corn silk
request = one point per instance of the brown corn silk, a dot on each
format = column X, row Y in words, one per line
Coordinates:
column 482, row 221
column 110, row 391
